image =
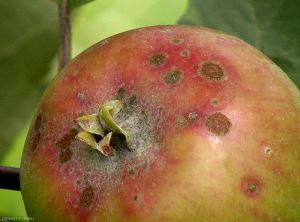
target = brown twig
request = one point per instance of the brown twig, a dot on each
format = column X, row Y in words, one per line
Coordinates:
column 64, row 53
column 9, row 178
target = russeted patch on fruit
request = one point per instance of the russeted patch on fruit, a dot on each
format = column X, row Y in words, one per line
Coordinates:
column 86, row 197
column 64, row 146
column 185, row 53
column 218, row 123
column 212, row 71
column 37, row 133
column 173, row 76
column 158, row 59
column 165, row 123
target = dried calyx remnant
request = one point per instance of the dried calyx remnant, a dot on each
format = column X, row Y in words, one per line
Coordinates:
column 102, row 125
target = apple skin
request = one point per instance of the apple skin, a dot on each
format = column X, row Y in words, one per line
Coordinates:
column 220, row 141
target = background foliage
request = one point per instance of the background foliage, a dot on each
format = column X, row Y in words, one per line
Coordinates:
column 271, row 26
column 29, row 43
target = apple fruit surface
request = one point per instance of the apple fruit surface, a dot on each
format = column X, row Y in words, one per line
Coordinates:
column 166, row 123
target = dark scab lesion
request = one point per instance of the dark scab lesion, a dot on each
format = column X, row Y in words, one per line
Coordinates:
column 136, row 198
column 218, row 124
column 131, row 171
column 176, row 41
column 181, row 121
column 158, row 59
column 251, row 186
column 37, row 132
column 193, row 117
column 215, row 102
column 38, row 123
column 173, row 76
column 35, row 141
column 145, row 166
column 65, row 154
column 185, row 53
column 132, row 100
column 212, row 71
column 64, row 143
column 120, row 93
column 87, row 197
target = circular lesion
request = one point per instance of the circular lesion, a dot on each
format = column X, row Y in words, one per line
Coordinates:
column 212, row 71
column 176, row 41
column 193, row 117
column 215, row 102
column 181, row 121
column 251, row 186
column 268, row 151
column 185, row 53
column 136, row 198
column 173, row 76
column 218, row 124
column 158, row 59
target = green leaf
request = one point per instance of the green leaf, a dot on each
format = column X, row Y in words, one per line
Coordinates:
column 28, row 43
column 103, row 18
column 75, row 3
column 271, row 26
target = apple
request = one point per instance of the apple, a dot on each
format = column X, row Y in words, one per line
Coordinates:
column 166, row 124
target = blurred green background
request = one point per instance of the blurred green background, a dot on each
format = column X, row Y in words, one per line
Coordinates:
column 29, row 44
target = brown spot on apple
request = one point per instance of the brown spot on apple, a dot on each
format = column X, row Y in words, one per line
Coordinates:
column 219, row 124
column 181, row 121
column 64, row 143
column 215, row 102
column 35, row 141
column 131, row 172
column 268, row 151
column 185, row 53
column 136, row 198
column 145, row 166
column 250, row 186
column 158, row 59
column 121, row 93
column 37, row 131
column 173, row 76
column 38, row 122
column 193, row 117
column 212, row 71
column 176, row 41
column 86, row 197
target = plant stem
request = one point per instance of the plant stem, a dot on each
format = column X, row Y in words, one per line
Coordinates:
column 9, row 178
column 64, row 53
